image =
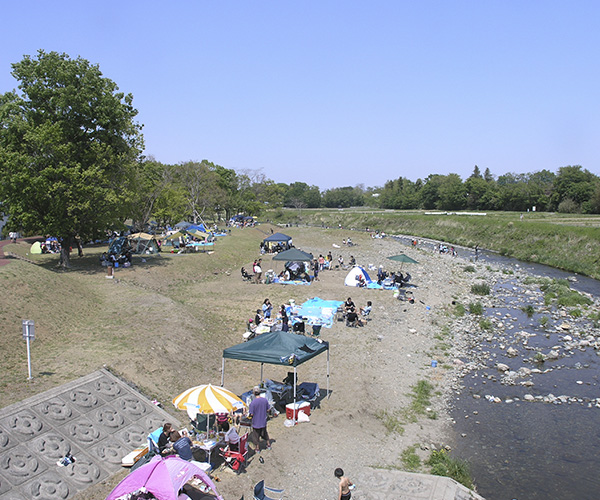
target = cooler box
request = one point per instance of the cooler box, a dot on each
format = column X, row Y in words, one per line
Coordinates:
column 291, row 410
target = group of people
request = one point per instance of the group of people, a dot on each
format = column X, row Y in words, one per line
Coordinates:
column 397, row 279
column 354, row 316
column 266, row 312
column 116, row 260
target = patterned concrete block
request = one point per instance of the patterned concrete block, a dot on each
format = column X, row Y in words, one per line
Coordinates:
column 98, row 419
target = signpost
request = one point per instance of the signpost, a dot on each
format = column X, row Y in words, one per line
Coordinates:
column 29, row 336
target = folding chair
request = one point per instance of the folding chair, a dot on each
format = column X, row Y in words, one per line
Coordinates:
column 236, row 460
column 260, row 489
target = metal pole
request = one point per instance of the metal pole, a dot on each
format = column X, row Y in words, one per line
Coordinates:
column 28, row 356
column 294, row 407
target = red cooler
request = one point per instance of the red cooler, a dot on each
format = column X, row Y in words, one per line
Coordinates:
column 291, row 410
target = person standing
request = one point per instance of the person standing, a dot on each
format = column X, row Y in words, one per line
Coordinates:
column 345, row 485
column 258, row 409
column 284, row 319
column 267, row 307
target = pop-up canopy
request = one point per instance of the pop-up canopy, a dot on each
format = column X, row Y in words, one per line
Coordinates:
column 278, row 348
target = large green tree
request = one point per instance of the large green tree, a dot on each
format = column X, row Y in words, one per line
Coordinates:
column 68, row 147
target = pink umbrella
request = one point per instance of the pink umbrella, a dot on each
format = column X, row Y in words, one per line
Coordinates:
column 163, row 477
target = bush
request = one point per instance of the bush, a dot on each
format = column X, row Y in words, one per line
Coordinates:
column 469, row 269
column 476, row 308
column 480, row 289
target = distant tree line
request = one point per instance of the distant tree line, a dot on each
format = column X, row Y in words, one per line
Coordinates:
column 72, row 166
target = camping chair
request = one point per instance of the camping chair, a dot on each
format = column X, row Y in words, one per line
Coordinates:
column 260, row 489
column 245, row 275
column 236, row 460
column 153, row 442
column 199, row 423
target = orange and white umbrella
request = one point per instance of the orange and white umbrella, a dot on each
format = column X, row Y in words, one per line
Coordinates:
column 207, row 399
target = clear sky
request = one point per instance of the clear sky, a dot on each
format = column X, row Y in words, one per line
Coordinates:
column 340, row 92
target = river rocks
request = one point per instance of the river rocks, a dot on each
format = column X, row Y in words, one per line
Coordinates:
column 512, row 352
column 528, row 397
column 502, row 367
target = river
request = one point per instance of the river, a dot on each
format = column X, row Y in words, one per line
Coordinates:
column 532, row 450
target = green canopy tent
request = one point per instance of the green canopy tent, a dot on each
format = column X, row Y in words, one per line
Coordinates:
column 294, row 255
column 277, row 348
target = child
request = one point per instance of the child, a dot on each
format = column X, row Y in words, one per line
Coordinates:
column 345, row 485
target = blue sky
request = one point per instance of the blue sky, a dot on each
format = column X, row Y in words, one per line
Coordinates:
column 340, row 93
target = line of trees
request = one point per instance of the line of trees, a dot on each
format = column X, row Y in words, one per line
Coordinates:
column 71, row 165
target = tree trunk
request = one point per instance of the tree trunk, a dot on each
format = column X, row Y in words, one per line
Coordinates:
column 65, row 249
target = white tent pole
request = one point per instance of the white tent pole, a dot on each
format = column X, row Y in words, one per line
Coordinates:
column 261, row 373
column 327, row 373
column 222, row 372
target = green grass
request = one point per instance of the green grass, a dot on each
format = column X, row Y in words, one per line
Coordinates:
column 469, row 269
column 485, row 324
column 480, row 289
column 528, row 310
column 459, row 310
column 442, row 464
column 410, row 460
column 559, row 292
column 476, row 308
column 563, row 241
column 391, row 421
column 544, row 320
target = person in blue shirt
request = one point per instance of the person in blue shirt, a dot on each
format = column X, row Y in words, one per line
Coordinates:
column 182, row 445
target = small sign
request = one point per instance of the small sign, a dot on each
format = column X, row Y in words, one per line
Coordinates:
column 28, row 329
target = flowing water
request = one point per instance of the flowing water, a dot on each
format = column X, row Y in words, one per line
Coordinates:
column 525, row 450
column 532, row 450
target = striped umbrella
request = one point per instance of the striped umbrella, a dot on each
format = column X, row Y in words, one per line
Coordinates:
column 207, row 399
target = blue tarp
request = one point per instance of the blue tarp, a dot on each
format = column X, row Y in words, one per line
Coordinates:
column 319, row 311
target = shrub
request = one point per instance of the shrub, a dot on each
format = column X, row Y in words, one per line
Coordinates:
column 476, row 308
column 469, row 269
column 480, row 289
column 544, row 320
column 575, row 313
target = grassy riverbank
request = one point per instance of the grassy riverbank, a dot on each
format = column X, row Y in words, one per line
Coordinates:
column 563, row 241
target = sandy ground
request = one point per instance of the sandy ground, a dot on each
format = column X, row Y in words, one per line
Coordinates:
column 372, row 370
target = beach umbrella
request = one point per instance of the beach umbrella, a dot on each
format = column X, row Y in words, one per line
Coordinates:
column 402, row 258
column 207, row 399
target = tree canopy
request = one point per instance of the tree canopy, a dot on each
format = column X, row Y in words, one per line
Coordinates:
column 68, row 148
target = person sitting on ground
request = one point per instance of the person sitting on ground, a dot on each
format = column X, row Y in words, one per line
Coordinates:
column 182, row 445
column 258, row 317
column 232, row 438
column 163, row 439
column 341, row 261
column 352, row 261
column 351, row 317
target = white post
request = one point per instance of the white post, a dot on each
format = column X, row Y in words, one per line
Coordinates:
column 28, row 359
column 29, row 336
column 222, row 372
